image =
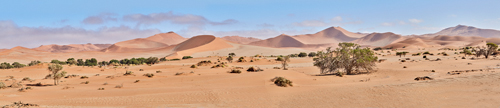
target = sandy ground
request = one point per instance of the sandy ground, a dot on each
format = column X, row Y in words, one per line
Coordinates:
column 391, row 86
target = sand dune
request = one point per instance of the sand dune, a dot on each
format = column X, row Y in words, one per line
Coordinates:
column 169, row 38
column 377, row 39
column 463, row 30
column 72, row 47
column 327, row 36
column 279, row 41
column 144, row 44
column 240, row 40
column 200, row 43
column 350, row 34
column 409, row 43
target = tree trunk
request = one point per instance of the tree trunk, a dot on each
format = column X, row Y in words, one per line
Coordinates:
column 55, row 82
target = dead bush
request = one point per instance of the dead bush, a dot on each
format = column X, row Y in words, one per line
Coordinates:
column 282, row 82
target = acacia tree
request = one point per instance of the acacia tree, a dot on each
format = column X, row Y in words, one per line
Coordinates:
column 349, row 58
column 285, row 61
column 55, row 74
column 491, row 48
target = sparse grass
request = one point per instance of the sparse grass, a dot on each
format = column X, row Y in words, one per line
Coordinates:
column 119, row 86
column 2, row 85
column 158, row 71
column 26, row 79
column 179, row 73
column 86, row 82
column 128, row 73
column 84, row 77
column 282, row 82
column 150, row 75
column 235, row 71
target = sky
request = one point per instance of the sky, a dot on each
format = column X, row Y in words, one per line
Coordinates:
column 31, row 23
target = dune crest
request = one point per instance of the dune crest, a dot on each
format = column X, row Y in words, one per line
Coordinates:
column 378, row 39
column 240, row 40
column 279, row 41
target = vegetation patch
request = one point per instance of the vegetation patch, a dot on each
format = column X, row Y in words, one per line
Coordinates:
column 282, row 82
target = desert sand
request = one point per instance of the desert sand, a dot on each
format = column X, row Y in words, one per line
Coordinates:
column 176, row 84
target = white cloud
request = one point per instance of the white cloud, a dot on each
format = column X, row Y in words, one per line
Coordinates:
column 402, row 23
column 100, row 19
column 265, row 25
column 387, row 24
column 12, row 35
column 336, row 19
column 311, row 23
column 415, row 21
column 188, row 19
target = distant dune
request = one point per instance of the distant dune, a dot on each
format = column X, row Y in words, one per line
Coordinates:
column 240, row 40
column 72, row 47
column 408, row 43
column 144, row 44
column 279, row 41
column 462, row 30
column 378, row 39
column 200, row 43
column 327, row 36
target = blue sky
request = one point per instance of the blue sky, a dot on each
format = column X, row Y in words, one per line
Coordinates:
column 32, row 23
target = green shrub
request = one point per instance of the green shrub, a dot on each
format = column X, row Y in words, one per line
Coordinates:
column 187, row 57
column 279, row 59
column 302, row 54
column 193, row 66
column 427, row 52
column 84, row 77
column 281, row 81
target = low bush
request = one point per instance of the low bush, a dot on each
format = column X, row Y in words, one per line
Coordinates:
column 100, row 89
column 281, row 81
column 149, row 75
column 279, row 59
column 84, row 77
column 193, row 66
column 187, row 57
column 128, row 73
column 136, row 81
column 254, row 69
column 235, row 71
column 2, row 85
column 158, row 71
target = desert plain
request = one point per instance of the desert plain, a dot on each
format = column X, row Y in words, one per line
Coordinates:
column 456, row 79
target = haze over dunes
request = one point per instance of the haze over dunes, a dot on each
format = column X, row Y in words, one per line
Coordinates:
column 72, row 47
column 240, row 40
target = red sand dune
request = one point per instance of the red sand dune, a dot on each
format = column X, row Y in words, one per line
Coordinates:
column 200, row 43
column 279, row 41
column 240, row 40
column 408, row 43
column 144, row 44
column 327, row 36
column 169, row 38
column 377, row 39
column 350, row 34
